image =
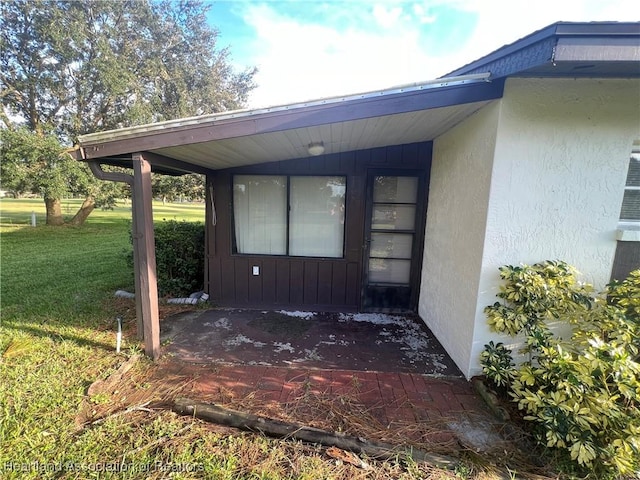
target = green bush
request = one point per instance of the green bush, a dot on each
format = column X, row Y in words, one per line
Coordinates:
column 582, row 395
column 179, row 257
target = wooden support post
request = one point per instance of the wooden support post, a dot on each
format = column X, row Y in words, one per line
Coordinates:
column 136, row 237
column 145, row 267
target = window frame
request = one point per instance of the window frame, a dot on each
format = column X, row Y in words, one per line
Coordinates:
column 234, row 244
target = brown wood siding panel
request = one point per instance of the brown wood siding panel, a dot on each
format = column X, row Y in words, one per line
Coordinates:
column 395, row 157
column 408, row 155
column 338, row 284
column 347, row 162
column 215, row 280
column 310, row 296
column 227, row 281
column 282, row 282
column 268, row 274
column 352, row 287
column 241, row 280
column 626, row 260
column 325, row 278
column 296, row 282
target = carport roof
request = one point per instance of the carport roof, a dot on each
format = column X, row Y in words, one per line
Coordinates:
column 399, row 115
column 405, row 114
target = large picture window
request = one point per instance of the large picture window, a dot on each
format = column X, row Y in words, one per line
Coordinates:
column 289, row 215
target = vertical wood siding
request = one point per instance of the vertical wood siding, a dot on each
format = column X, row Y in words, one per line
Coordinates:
column 626, row 260
column 299, row 282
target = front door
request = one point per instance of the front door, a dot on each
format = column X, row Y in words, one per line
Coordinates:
column 394, row 224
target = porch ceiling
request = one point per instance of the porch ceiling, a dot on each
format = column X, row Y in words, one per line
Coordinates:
column 337, row 137
column 407, row 114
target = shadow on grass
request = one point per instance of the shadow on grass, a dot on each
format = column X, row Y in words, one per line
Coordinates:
column 58, row 336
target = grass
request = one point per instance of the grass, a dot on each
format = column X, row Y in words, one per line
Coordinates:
column 57, row 337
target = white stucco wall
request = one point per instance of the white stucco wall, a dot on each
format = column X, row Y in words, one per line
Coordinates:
column 558, row 168
column 455, row 230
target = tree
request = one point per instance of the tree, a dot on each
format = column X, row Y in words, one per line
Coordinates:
column 190, row 186
column 69, row 68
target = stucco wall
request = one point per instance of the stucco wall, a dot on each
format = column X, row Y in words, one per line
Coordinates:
column 454, row 239
column 558, row 166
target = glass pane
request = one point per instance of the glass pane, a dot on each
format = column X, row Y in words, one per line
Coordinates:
column 316, row 218
column 395, row 189
column 260, row 213
column 395, row 245
column 630, row 205
column 383, row 270
column 393, row 217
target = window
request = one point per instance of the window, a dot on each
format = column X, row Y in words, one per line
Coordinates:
column 630, row 211
column 289, row 215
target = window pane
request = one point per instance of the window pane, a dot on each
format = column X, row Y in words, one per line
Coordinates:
column 383, row 270
column 260, row 213
column 396, row 245
column 395, row 190
column 631, row 205
column 393, row 217
column 316, row 218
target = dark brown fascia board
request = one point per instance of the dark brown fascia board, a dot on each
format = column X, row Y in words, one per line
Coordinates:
column 298, row 118
column 542, row 44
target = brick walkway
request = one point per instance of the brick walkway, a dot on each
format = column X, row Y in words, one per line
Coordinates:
column 392, row 397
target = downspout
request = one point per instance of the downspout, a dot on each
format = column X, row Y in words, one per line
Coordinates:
column 100, row 174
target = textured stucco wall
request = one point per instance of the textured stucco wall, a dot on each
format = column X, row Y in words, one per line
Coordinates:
column 455, row 230
column 560, row 166
column 556, row 152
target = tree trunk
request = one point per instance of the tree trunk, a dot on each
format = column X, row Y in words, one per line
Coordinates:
column 84, row 211
column 54, row 211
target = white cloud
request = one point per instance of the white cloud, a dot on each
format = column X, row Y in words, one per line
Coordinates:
column 391, row 43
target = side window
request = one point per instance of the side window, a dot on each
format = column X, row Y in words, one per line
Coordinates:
column 630, row 211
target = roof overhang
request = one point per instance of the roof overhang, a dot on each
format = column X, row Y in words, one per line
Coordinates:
column 406, row 114
column 400, row 115
column 567, row 49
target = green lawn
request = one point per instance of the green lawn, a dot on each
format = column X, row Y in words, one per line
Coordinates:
column 57, row 336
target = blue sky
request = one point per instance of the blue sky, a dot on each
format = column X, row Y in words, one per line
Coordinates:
column 308, row 49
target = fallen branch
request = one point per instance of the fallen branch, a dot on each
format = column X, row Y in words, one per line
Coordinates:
column 276, row 428
column 136, row 408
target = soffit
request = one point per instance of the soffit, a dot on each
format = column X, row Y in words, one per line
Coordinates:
column 337, row 137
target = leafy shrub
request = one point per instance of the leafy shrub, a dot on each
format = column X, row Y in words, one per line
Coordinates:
column 179, row 257
column 581, row 395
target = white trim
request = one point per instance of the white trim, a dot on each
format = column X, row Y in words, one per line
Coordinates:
column 628, row 234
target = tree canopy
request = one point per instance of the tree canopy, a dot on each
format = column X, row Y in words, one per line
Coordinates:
column 70, row 68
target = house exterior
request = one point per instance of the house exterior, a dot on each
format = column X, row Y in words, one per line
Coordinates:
column 410, row 199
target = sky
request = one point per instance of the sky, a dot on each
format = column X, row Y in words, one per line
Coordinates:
column 311, row 49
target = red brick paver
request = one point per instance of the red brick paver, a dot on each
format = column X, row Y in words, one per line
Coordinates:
column 398, row 397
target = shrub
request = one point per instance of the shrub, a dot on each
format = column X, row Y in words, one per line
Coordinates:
column 179, row 257
column 581, row 395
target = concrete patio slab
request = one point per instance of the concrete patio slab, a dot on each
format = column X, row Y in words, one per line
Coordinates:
column 362, row 342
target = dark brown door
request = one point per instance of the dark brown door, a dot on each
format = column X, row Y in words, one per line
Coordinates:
column 392, row 252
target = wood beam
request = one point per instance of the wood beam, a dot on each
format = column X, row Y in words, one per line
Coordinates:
column 145, row 268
